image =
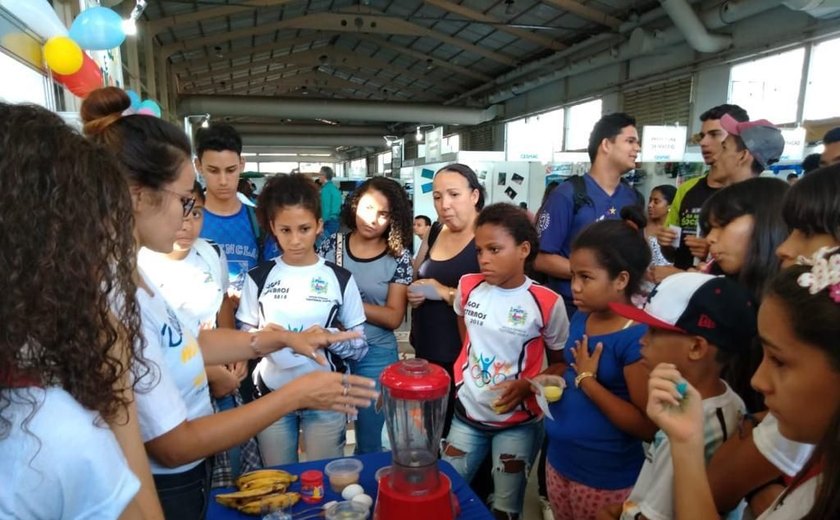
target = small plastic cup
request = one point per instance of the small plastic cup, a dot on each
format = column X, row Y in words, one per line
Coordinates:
column 343, row 472
column 347, row 511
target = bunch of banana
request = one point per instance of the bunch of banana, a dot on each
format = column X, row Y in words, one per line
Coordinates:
column 260, row 492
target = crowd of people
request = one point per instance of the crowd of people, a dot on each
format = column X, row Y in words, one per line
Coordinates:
column 190, row 335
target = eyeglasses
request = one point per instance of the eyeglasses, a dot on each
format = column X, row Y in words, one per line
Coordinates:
column 187, row 203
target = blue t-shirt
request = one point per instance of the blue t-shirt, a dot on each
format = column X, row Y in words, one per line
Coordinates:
column 583, row 444
column 558, row 225
column 235, row 236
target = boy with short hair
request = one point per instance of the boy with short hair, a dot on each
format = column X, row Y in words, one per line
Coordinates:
column 697, row 322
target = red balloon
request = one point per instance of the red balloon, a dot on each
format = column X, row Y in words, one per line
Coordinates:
column 83, row 82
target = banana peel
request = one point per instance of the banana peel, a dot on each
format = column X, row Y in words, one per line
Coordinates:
column 260, row 492
column 240, row 498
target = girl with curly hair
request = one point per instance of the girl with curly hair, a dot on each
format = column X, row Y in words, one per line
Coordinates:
column 175, row 416
column 65, row 355
column 376, row 251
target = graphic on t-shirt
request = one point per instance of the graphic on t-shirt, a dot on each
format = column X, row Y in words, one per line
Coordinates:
column 486, row 370
column 171, row 332
column 318, row 286
column 517, row 316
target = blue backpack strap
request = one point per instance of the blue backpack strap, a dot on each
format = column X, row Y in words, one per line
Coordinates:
column 579, row 196
column 260, row 274
column 259, row 233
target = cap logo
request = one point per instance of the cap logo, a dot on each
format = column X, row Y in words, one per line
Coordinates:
column 705, row 322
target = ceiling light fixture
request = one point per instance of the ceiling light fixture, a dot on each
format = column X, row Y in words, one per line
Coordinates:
column 508, row 6
column 420, row 135
column 390, row 139
column 129, row 25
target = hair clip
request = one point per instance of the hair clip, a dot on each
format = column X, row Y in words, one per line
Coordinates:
column 825, row 272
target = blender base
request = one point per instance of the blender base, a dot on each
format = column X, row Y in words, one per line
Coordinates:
column 440, row 504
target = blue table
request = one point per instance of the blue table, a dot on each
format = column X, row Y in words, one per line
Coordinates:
column 471, row 506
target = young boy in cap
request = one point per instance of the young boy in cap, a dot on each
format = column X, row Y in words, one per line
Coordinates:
column 696, row 322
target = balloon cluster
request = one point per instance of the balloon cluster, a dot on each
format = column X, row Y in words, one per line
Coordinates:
column 95, row 29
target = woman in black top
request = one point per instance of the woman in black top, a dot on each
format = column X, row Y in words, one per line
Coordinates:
column 448, row 254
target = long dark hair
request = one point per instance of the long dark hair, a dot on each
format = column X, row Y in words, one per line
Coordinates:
column 815, row 319
column 399, row 231
column 812, row 205
column 68, row 258
column 762, row 198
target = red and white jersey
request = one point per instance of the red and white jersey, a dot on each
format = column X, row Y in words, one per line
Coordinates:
column 508, row 331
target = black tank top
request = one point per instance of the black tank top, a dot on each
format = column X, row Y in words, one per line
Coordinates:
column 434, row 325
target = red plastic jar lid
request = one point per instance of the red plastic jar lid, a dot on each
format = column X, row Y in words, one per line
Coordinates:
column 415, row 379
column 311, row 477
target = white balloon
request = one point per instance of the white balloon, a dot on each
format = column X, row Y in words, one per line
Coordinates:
column 38, row 15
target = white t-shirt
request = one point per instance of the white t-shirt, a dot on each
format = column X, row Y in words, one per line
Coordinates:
column 194, row 286
column 175, row 389
column 506, row 340
column 296, row 298
column 64, row 463
column 653, row 493
column 788, row 456
column 795, row 505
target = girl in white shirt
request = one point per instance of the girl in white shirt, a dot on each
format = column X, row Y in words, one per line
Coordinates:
column 799, row 377
column 175, row 416
column 63, row 357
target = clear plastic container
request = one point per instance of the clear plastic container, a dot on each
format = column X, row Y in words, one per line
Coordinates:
column 382, row 472
column 343, row 472
column 347, row 511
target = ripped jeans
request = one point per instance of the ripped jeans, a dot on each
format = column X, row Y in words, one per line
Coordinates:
column 513, row 452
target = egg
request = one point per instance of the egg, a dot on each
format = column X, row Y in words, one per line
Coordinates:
column 552, row 393
column 330, row 504
column 363, row 499
column 352, row 490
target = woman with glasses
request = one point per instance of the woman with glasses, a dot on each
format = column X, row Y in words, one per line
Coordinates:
column 177, row 425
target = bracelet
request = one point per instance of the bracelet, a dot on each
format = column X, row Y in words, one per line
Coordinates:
column 583, row 375
column 253, row 345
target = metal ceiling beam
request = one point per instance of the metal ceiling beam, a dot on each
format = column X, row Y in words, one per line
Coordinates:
column 481, row 17
column 316, row 81
column 334, row 110
column 586, row 12
column 167, row 22
column 247, row 51
column 463, row 71
column 334, row 22
column 267, row 128
column 312, row 140
column 232, row 80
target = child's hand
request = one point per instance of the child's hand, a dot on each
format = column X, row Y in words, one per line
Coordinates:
column 680, row 417
column 511, row 393
column 584, row 361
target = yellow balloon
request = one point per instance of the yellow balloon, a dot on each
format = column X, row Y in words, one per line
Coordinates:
column 63, row 55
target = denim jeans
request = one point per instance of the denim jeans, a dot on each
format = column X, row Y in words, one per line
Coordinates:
column 323, row 437
column 183, row 496
column 513, row 451
column 369, row 422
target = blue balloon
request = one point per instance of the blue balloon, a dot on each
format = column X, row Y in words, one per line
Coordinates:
column 150, row 104
column 135, row 99
column 97, row 29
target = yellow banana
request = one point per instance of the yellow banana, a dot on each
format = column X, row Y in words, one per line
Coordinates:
column 276, row 474
column 267, row 482
column 240, row 498
column 268, row 503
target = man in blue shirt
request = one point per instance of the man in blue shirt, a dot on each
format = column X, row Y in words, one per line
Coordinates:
column 613, row 149
column 330, row 202
column 227, row 221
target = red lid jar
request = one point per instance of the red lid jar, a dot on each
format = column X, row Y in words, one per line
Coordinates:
column 312, row 486
column 415, row 379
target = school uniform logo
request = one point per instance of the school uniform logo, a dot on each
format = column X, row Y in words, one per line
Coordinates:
column 318, row 286
column 517, row 316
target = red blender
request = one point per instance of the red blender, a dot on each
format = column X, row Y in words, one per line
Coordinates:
column 414, row 397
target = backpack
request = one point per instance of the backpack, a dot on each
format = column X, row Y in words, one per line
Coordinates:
column 259, row 232
column 580, row 198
